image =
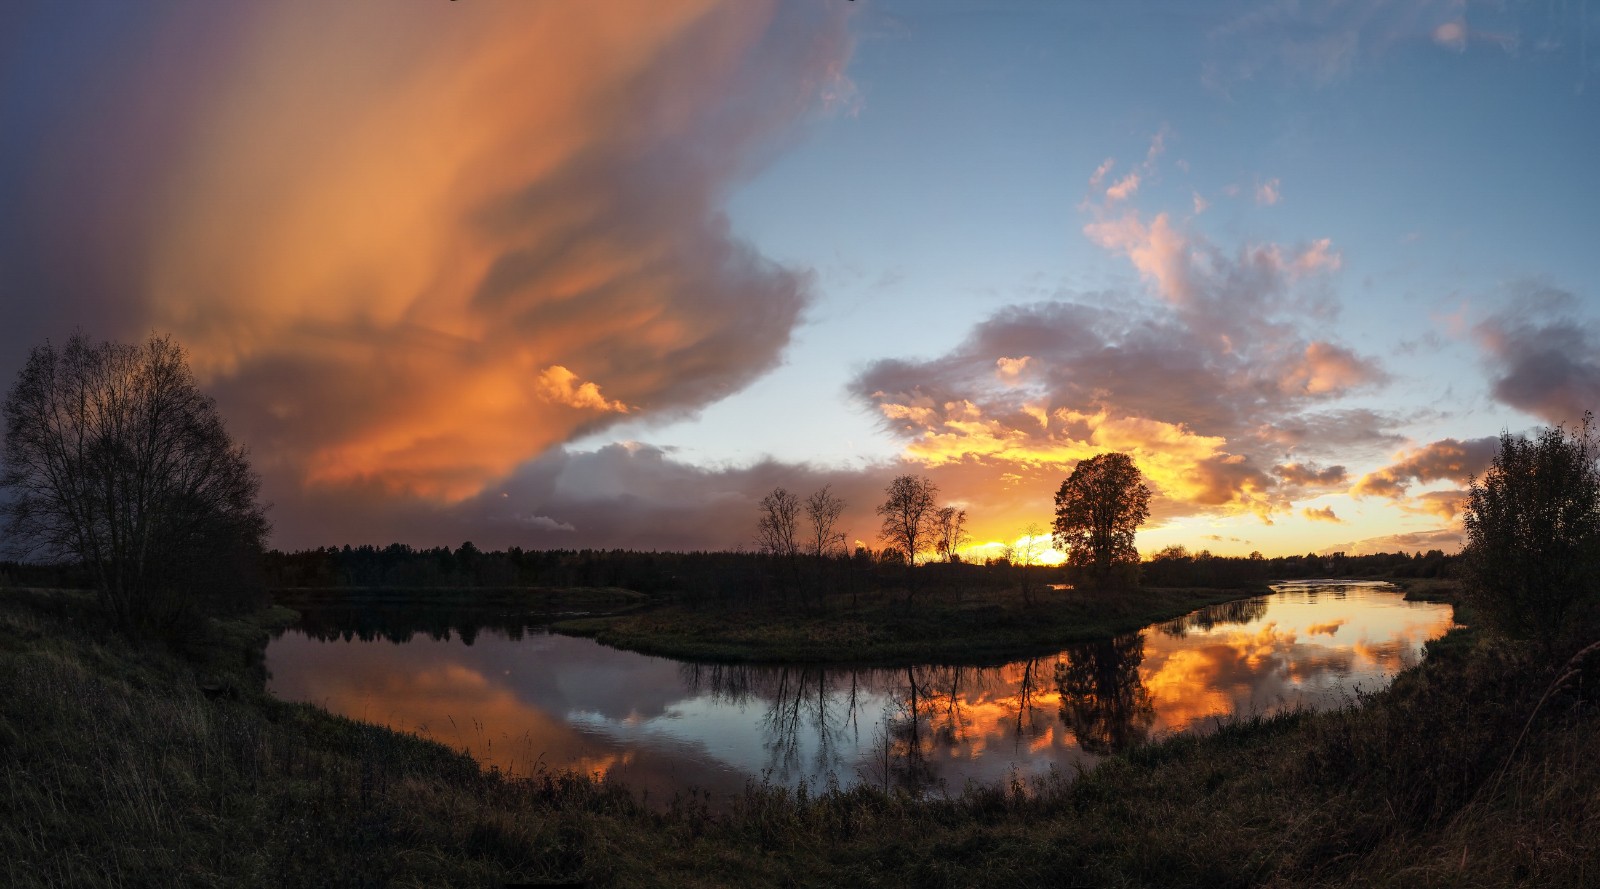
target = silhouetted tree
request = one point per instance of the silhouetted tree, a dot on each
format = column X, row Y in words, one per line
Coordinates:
column 778, row 530
column 1098, row 509
column 1533, row 532
column 950, row 532
column 908, row 516
column 115, row 459
column 823, row 510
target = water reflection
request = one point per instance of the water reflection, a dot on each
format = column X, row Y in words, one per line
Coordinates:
column 523, row 700
column 1103, row 698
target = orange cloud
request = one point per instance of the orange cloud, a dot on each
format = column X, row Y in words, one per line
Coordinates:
column 1325, row 514
column 400, row 240
column 1443, row 504
column 1010, row 369
column 561, row 386
column 1448, row 459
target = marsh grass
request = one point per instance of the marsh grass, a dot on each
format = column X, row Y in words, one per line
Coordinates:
column 118, row 769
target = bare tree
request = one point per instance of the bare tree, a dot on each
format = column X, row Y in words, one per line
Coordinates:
column 115, row 459
column 1026, row 552
column 824, row 509
column 778, row 529
column 950, row 532
column 908, row 515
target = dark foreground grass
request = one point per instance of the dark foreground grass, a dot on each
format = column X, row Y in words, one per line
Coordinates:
column 117, row 769
column 883, row 630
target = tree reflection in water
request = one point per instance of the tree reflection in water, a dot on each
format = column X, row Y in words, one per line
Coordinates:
column 1103, row 700
column 927, row 713
column 1239, row 611
column 799, row 704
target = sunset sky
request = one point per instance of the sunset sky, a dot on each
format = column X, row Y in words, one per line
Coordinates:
column 559, row 274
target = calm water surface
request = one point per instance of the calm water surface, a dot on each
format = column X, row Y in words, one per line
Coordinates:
column 525, row 700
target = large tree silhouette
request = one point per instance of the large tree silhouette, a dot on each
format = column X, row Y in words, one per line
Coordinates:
column 114, row 459
column 1098, row 509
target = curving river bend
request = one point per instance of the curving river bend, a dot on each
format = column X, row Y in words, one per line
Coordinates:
column 522, row 699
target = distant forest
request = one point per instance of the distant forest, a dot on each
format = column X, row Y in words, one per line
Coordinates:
column 398, row 565
column 730, row 576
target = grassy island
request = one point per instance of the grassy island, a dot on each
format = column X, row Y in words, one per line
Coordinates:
column 885, row 630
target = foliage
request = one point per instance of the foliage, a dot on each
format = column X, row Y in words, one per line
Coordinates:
column 1098, row 509
column 1533, row 533
column 115, row 460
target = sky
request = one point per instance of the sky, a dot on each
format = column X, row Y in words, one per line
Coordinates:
column 562, row 275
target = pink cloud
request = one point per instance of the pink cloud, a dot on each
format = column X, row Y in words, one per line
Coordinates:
column 1158, row 251
column 1326, row 369
column 1123, row 189
column 1451, row 35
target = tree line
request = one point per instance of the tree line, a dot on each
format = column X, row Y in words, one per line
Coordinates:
column 119, row 471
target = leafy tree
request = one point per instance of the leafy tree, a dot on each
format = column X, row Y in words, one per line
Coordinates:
column 116, row 460
column 1533, row 532
column 1098, row 509
column 950, row 532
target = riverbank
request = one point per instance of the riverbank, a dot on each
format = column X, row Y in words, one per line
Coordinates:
column 529, row 600
column 123, row 766
column 885, row 631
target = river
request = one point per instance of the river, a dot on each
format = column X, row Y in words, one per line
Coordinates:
column 523, row 700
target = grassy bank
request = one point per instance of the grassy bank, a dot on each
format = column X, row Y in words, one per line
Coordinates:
column 531, row 600
column 884, row 630
column 119, row 768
